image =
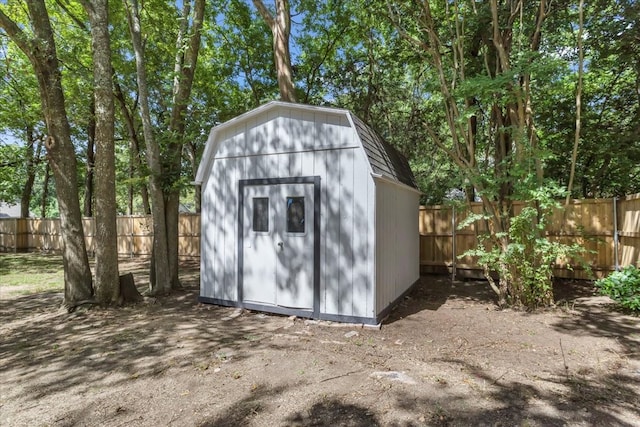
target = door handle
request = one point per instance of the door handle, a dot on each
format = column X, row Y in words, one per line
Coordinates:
column 281, row 244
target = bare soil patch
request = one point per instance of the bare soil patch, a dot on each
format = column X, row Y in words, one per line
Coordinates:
column 445, row 357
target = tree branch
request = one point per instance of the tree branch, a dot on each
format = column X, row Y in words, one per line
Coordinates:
column 86, row 4
column 264, row 12
column 16, row 35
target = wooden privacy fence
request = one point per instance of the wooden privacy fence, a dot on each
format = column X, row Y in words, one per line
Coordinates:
column 592, row 223
column 608, row 228
column 135, row 235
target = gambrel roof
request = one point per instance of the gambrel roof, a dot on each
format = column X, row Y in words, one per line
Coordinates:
column 385, row 161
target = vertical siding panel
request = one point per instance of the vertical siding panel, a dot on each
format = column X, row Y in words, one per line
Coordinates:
column 217, row 241
column 382, row 242
column 238, row 140
column 361, row 234
column 232, row 226
column 391, row 212
column 309, row 136
column 281, row 165
column 350, row 136
column 371, row 245
column 256, row 167
column 223, row 147
column 295, row 168
column 250, row 142
column 320, row 169
column 207, row 267
column 285, row 133
column 321, row 137
column 307, row 164
column 234, row 173
column 332, row 241
column 260, row 136
column 347, row 231
column 295, row 129
column 271, row 132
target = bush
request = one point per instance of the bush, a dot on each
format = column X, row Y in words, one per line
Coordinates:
column 523, row 256
column 623, row 287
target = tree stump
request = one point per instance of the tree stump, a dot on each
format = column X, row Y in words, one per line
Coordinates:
column 128, row 291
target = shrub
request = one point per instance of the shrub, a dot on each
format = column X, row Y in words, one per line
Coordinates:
column 523, row 256
column 623, row 287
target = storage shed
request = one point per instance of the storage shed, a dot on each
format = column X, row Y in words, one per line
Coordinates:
column 306, row 211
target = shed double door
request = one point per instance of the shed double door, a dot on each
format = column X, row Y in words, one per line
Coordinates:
column 278, row 245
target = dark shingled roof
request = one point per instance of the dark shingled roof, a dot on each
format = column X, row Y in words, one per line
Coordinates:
column 385, row 159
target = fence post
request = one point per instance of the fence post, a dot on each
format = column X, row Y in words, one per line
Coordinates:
column 22, row 236
column 615, row 234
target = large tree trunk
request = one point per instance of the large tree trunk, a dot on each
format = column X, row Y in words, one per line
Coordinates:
column 280, row 25
column 41, row 51
column 161, row 282
column 107, row 276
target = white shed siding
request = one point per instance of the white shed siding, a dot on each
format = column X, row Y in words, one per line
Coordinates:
column 320, row 169
column 218, row 230
column 396, row 221
column 347, row 224
column 409, row 240
column 347, row 234
column 363, row 238
column 331, row 229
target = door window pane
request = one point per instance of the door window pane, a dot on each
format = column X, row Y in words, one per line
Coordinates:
column 260, row 214
column 295, row 214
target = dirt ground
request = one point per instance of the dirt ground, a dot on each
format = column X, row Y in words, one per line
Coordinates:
column 445, row 357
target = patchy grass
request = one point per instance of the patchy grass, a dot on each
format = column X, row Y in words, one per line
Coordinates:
column 26, row 274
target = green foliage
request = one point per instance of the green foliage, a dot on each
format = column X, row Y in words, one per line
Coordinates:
column 524, row 256
column 623, row 287
column 11, row 172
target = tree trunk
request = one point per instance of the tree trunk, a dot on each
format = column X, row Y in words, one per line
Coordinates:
column 45, row 191
column 134, row 154
column 161, row 283
column 576, row 142
column 192, row 149
column 107, row 276
column 198, row 199
column 88, row 179
column 280, row 25
column 186, row 59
